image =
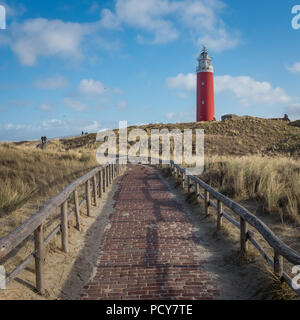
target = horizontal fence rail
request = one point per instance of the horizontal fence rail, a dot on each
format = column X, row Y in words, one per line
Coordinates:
column 95, row 182
column 280, row 249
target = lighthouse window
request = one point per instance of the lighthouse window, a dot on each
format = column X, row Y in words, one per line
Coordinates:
column 203, row 83
column 202, row 101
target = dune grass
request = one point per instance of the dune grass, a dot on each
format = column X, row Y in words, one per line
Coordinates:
column 274, row 182
column 26, row 173
column 236, row 164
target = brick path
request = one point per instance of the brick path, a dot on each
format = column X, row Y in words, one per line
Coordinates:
column 148, row 252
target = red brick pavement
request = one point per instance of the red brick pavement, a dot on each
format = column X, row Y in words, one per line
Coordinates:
column 148, row 252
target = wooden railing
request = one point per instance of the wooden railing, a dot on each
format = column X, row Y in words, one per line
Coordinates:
column 100, row 178
column 280, row 249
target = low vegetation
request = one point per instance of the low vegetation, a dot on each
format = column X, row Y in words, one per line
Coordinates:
column 274, row 183
column 31, row 176
column 246, row 157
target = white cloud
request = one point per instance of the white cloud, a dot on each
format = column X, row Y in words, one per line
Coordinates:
column 162, row 18
column 122, row 105
column 13, row 10
column 245, row 88
column 204, row 19
column 94, row 8
column 182, row 82
column 109, row 20
column 74, row 104
column 47, row 107
column 293, row 111
column 185, row 116
column 42, row 37
column 248, row 90
column 157, row 21
column 53, row 123
column 219, row 40
column 182, row 94
column 91, row 87
column 148, row 15
column 73, row 124
column 170, row 115
column 89, row 93
column 50, row 128
column 52, row 83
column 295, row 68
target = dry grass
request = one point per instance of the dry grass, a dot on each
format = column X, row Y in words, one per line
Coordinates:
column 274, row 182
column 29, row 176
column 248, row 158
column 243, row 136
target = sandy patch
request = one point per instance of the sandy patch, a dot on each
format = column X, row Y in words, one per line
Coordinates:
column 66, row 274
column 238, row 278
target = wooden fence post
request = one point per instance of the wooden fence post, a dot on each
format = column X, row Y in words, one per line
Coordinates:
column 189, row 183
column 243, row 235
column 278, row 264
column 183, row 180
column 197, row 191
column 107, row 175
column 77, row 212
column 64, row 226
column 39, row 259
column 104, row 179
column 100, row 184
column 88, row 197
column 220, row 215
column 206, row 202
column 95, row 190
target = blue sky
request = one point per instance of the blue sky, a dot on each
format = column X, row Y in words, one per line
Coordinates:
column 72, row 66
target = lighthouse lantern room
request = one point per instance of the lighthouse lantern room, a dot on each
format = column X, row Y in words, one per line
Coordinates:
column 205, row 88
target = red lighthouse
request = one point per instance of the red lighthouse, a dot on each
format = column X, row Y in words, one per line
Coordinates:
column 205, row 88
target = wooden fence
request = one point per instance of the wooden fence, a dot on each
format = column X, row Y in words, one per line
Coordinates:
column 99, row 178
column 280, row 249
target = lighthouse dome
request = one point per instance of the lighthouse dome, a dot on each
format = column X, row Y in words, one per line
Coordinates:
column 205, row 62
